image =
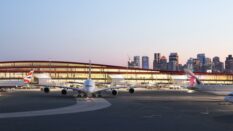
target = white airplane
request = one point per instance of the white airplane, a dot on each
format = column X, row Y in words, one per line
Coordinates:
column 229, row 98
column 5, row 84
column 89, row 88
column 218, row 89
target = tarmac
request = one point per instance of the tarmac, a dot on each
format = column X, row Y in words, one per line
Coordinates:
column 147, row 110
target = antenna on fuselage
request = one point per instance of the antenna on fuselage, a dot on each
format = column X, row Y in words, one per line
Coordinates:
column 89, row 77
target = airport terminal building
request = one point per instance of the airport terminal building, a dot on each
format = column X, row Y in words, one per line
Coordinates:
column 77, row 71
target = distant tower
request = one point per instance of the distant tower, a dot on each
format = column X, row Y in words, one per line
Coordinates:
column 130, row 63
column 201, row 57
column 145, row 62
column 229, row 64
column 196, row 65
column 173, row 62
column 137, row 61
column 208, row 65
column 163, row 63
column 156, row 61
column 218, row 66
column 190, row 64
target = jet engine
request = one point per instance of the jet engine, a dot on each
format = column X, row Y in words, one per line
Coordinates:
column 46, row 90
column 114, row 92
column 63, row 91
column 131, row 90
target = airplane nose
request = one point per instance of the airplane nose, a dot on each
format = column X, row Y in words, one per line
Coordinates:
column 227, row 98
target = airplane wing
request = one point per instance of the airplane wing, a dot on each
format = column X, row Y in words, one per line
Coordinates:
column 65, row 87
column 97, row 83
column 72, row 88
column 75, row 83
column 131, row 88
column 110, row 88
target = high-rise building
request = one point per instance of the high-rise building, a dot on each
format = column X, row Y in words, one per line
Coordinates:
column 201, row 58
column 196, row 65
column 156, row 61
column 229, row 64
column 145, row 62
column 208, row 65
column 131, row 64
column 180, row 67
column 173, row 62
column 163, row 63
column 189, row 64
column 217, row 65
column 174, row 57
column 137, row 61
column 216, row 59
column 172, row 66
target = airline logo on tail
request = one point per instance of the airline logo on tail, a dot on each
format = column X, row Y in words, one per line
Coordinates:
column 193, row 80
column 28, row 78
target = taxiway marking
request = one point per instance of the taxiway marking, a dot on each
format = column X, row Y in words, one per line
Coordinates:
column 82, row 105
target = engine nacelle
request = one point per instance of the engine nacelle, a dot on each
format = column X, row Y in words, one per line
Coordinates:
column 114, row 92
column 63, row 91
column 46, row 90
column 131, row 90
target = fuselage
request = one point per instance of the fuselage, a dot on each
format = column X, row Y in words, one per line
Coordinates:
column 11, row 83
column 89, row 86
column 215, row 89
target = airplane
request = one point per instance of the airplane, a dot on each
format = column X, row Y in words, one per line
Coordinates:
column 6, row 84
column 88, row 89
column 217, row 89
column 229, row 98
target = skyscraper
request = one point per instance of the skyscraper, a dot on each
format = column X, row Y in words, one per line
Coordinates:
column 145, row 62
column 172, row 66
column 131, row 64
column 218, row 66
column 216, row 59
column 163, row 63
column 174, row 57
column 137, row 61
column 201, row 58
column 173, row 62
column 208, row 65
column 229, row 64
column 196, row 65
column 189, row 64
column 156, row 61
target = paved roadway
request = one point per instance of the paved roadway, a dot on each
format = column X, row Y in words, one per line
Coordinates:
column 144, row 110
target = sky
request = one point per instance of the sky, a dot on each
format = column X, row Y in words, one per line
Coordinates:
column 110, row 31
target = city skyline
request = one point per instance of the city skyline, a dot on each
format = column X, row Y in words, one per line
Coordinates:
column 200, row 63
column 107, row 32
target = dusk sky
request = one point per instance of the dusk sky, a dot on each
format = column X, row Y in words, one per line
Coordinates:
column 108, row 31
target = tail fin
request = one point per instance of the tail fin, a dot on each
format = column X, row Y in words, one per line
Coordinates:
column 89, row 73
column 193, row 80
column 27, row 79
